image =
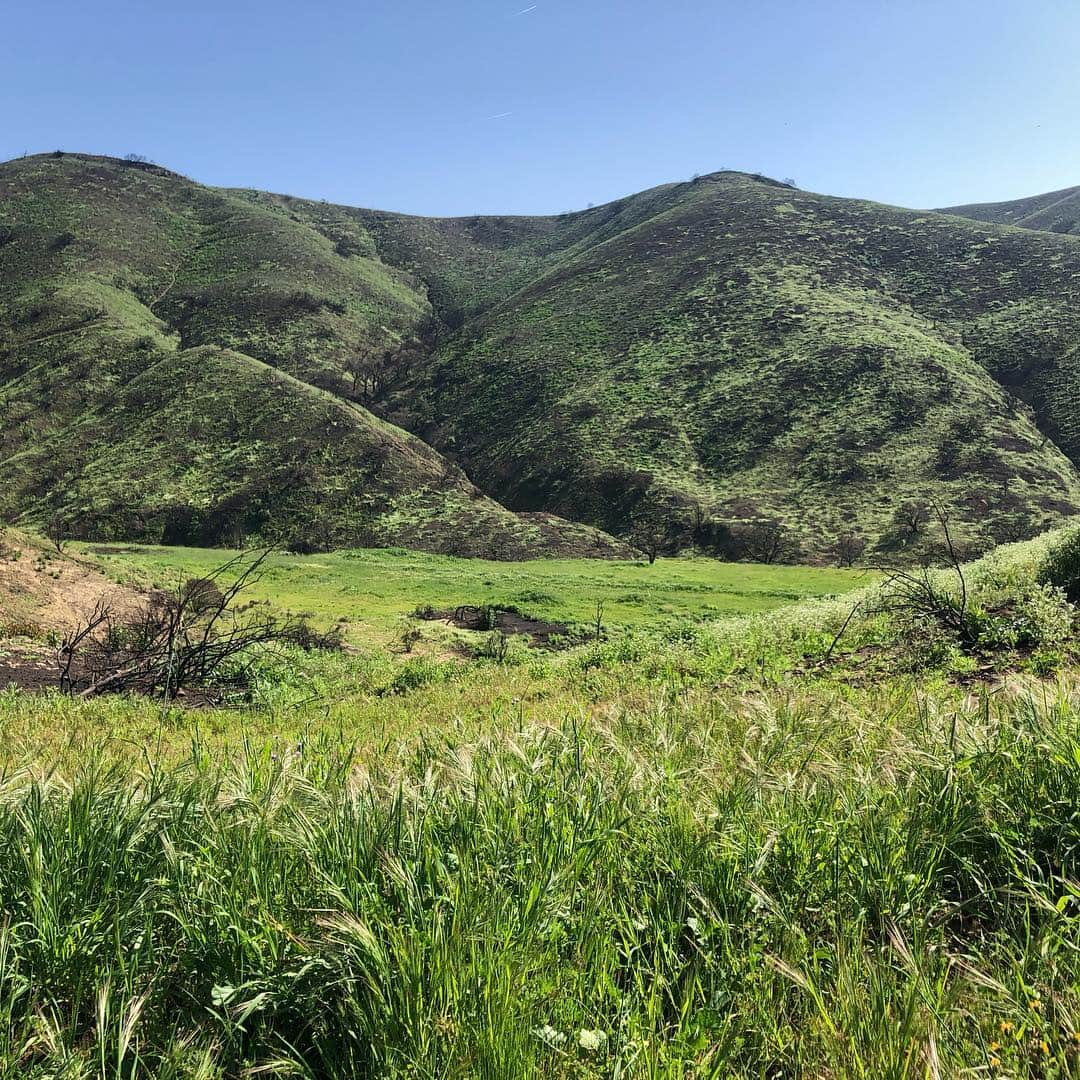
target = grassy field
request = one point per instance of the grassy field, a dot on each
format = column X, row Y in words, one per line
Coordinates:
column 374, row 590
column 801, row 886
column 734, row 847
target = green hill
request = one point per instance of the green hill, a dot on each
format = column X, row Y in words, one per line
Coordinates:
column 168, row 361
column 1056, row 211
column 729, row 362
column 734, row 349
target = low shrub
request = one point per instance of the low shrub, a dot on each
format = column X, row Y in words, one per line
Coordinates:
column 1061, row 566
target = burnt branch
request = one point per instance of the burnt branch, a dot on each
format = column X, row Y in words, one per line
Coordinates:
column 195, row 635
column 924, row 594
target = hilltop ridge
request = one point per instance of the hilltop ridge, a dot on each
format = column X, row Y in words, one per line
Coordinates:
column 1054, row 211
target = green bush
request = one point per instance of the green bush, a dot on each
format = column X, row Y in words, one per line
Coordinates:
column 1044, row 617
column 420, row 671
column 1062, row 565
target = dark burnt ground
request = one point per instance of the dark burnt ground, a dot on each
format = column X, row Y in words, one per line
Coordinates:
column 28, row 667
column 541, row 632
column 32, row 667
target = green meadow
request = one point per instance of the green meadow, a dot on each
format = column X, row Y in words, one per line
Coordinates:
column 372, row 591
column 823, row 834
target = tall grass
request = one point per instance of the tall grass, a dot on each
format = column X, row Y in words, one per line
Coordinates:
column 799, row 885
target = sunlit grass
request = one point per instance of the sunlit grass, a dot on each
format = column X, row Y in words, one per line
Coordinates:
column 686, row 850
column 794, row 886
column 375, row 589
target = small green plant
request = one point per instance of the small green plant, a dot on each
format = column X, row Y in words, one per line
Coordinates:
column 494, row 645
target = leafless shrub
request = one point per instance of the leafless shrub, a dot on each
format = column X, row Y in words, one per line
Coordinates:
column 926, row 594
column 70, row 648
column 192, row 636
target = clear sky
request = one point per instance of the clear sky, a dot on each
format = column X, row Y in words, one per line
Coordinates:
column 514, row 106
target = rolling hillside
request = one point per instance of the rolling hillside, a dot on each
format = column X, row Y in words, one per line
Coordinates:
column 701, row 360
column 168, row 362
column 1056, row 211
column 736, row 347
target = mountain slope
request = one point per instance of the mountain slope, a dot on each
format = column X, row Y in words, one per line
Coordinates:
column 162, row 350
column 1056, row 211
column 700, row 358
column 738, row 348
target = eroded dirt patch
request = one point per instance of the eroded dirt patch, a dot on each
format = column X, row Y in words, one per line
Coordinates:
column 42, row 591
column 540, row 632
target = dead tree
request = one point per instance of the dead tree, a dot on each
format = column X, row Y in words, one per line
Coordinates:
column 699, row 521
column 848, row 548
column 765, row 541
column 369, row 374
column 912, row 516
column 57, row 532
column 648, row 537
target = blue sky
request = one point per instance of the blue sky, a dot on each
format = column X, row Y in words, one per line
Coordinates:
column 509, row 106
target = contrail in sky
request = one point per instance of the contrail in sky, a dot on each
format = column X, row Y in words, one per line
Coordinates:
column 525, row 11
column 500, row 115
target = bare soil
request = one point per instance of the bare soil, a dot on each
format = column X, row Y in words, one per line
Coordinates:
column 539, row 631
column 42, row 592
column 54, row 594
column 27, row 666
